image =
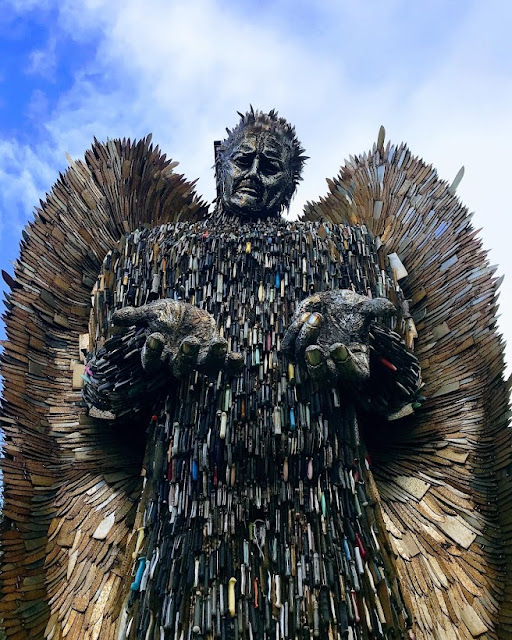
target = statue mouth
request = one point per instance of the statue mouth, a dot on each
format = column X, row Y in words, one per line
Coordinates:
column 249, row 189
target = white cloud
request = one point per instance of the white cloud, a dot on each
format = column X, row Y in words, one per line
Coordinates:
column 22, row 6
column 438, row 77
column 24, row 174
column 43, row 62
column 180, row 70
column 37, row 108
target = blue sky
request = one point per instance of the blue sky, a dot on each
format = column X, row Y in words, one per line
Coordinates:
column 437, row 74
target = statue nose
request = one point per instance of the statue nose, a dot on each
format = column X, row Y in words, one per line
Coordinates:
column 254, row 168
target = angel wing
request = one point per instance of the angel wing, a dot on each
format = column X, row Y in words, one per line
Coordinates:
column 67, row 497
column 444, row 473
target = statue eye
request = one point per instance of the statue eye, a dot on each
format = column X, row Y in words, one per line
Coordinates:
column 269, row 167
column 243, row 162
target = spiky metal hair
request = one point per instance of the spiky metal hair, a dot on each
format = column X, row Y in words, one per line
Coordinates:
column 269, row 122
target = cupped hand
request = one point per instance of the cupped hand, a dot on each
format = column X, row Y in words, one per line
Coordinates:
column 329, row 334
column 179, row 337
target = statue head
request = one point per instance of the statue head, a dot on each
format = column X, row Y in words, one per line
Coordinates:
column 258, row 166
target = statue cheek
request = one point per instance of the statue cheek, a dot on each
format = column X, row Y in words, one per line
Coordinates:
column 276, row 191
column 235, row 173
column 227, row 185
column 272, row 183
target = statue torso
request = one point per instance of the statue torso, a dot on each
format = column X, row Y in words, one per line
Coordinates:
column 262, row 478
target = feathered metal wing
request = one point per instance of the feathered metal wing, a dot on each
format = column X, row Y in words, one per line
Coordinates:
column 443, row 473
column 60, row 475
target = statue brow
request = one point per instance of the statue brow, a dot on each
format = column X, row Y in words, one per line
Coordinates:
column 272, row 155
column 245, row 149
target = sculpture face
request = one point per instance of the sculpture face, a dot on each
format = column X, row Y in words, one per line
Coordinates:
column 256, row 178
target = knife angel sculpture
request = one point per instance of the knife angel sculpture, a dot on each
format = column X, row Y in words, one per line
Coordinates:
column 229, row 425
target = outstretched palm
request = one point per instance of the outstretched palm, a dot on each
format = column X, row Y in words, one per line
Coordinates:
column 179, row 337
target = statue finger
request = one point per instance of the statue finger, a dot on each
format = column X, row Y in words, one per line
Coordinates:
column 234, row 363
column 159, row 310
column 309, row 332
column 320, row 368
column 151, row 354
column 186, row 359
column 377, row 308
column 352, row 363
column 290, row 337
column 158, row 315
column 129, row 316
column 339, row 353
column 214, row 357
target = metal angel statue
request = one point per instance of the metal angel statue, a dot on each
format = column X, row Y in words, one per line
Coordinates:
column 228, row 425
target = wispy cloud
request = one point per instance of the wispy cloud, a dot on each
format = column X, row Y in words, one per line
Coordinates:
column 37, row 108
column 438, row 76
column 43, row 62
column 23, row 176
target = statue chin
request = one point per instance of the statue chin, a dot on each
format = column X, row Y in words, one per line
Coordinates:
column 252, row 214
column 248, row 208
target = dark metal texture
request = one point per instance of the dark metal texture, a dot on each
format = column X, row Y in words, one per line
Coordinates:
column 259, row 511
column 260, row 478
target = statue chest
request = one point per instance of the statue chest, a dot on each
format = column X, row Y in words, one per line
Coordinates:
column 257, row 507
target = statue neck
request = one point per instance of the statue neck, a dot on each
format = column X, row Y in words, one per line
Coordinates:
column 219, row 214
